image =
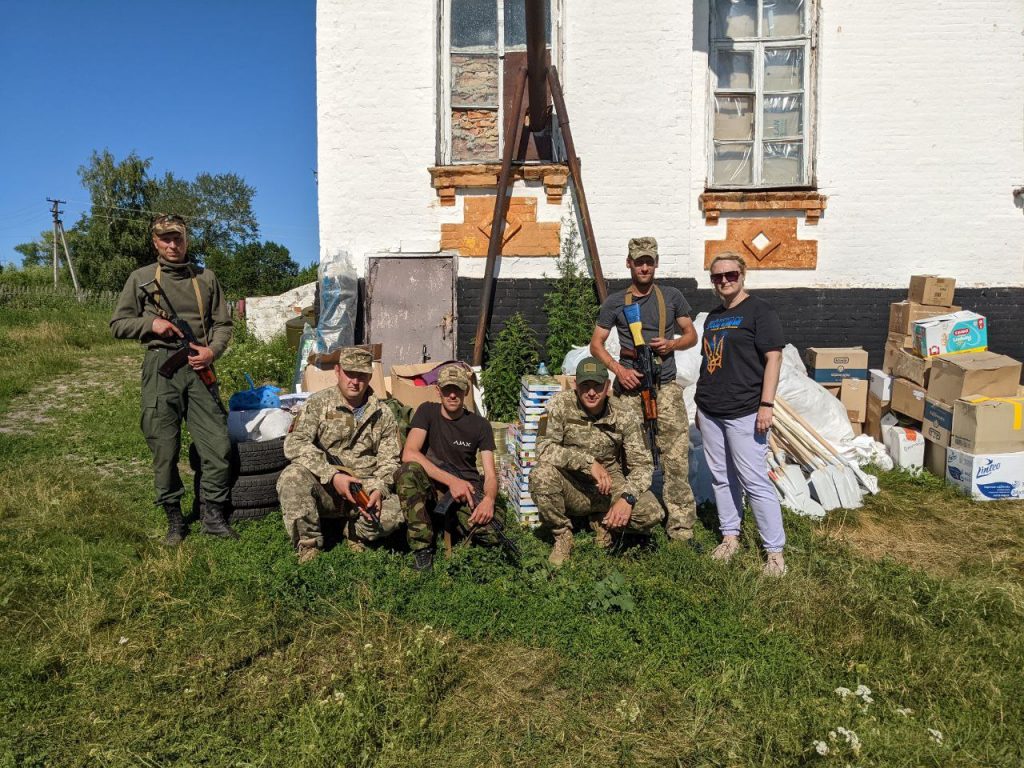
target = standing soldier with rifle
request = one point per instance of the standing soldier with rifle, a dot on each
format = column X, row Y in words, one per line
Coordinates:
column 655, row 397
column 178, row 383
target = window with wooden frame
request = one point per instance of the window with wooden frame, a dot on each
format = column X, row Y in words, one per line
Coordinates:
column 483, row 46
column 761, row 95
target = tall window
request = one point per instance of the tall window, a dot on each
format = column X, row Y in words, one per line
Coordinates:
column 486, row 46
column 761, row 76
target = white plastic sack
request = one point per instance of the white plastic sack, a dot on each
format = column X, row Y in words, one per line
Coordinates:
column 576, row 354
column 688, row 360
column 258, row 425
column 870, row 451
column 339, row 298
column 814, row 403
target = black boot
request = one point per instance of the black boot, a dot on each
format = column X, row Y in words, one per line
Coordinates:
column 176, row 528
column 215, row 521
column 423, row 560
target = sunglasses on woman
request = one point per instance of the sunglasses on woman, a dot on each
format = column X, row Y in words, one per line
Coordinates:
column 725, row 277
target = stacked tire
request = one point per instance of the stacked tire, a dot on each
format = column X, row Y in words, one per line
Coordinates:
column 255, row 467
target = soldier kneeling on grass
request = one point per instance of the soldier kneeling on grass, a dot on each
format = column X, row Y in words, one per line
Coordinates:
column 583, row 440
column 343, row 437
column 439, row 474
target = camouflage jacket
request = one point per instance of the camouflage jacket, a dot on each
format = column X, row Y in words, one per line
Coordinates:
column 572, row 439
column 368, row 450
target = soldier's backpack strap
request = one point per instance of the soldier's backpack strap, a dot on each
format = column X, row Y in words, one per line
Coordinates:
column 199, row 300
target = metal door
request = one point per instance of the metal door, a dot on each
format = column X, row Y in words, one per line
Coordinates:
column 410, row 308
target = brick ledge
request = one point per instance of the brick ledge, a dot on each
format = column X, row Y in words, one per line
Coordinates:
column 447, row 178
column 811, row 203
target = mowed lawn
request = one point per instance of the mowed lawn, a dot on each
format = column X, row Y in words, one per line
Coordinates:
column 117, row 651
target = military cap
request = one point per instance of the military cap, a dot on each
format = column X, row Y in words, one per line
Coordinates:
column 591, row 369
column 351, row 359
column 169, row 223
column 454, row 375
column 643, row 246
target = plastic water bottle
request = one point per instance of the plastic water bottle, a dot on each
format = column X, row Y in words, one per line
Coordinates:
column 542, row 369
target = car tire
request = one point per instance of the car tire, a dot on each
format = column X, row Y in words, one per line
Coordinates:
column 249, row 458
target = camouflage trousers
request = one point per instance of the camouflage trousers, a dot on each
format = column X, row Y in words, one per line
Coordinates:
column 561, row 494
column 674, row 442
column 419, row 496
column 305, row 501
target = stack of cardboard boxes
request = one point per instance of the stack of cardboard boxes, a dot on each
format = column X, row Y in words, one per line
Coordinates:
column 843, row 371
column 941, row 380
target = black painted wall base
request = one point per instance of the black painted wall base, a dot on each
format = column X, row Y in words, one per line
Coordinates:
column 811, row 317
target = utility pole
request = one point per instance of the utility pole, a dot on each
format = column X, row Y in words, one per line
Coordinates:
column 58, row 232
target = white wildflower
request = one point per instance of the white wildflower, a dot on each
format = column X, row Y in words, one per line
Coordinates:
column 821, row 748
column 864, row 693
column 850, row 738
column 842, row 692
column 905, row 711
column 628, row 711
column 368, row 646
column 123, row 640
column 935, row 735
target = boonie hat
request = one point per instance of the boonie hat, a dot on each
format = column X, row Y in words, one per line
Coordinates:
column 171, row 222
column 351, row 359
column 454, row 375
column 643, row 246
column 591, row 369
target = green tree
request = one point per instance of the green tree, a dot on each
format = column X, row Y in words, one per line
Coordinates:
column 512, row 356
column 571, row 304
column 255, row 269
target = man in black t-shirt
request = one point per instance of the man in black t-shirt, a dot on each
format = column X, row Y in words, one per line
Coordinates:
column 665, row 317
column 439, row 462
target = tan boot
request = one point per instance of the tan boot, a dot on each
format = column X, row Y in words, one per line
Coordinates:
column 352, row 540
column 563, row 546
column 776, row 565
column 602, row 536
column 727, row 549
column 307, row 550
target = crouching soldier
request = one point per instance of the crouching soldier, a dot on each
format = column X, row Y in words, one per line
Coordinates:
column 584, row 437
column 344, row 436
column 439, row 473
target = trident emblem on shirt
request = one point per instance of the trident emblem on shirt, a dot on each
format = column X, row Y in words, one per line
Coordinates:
column 714, row 351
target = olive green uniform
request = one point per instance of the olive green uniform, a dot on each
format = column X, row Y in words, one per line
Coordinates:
column 183, row 397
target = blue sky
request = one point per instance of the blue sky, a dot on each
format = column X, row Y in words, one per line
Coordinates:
column 219, row 86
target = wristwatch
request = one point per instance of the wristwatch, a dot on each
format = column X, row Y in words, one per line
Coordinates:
column 630, row 499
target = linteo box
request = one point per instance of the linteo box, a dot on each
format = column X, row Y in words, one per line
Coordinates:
column 906, row 365
column 988, row 424
column 937, row 423
column 929, row 289
column 833, row 364
column 954, row 333
column 908, row 398
column 854, row 395
column 903, row 315
column 935, row 458
column 987, row 476
column 880, row 385
column 980, row 373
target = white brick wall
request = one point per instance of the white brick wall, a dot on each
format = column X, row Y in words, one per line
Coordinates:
column 920, row 136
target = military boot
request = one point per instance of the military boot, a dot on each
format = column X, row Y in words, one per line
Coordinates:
column 307, row 550
column 423, row 560
column 352, row 540
column 563, row 546
column 215, row 521
column 176, row 528
column 602, row 536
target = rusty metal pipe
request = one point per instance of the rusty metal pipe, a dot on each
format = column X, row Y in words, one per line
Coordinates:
column 536, row 63
column 513, row 130
column 574, row 173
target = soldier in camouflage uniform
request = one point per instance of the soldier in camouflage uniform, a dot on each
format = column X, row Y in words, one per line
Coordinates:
column 197, row 297
column 439, row 465
column 666, row 328
column 343, row 435
column 585, row 436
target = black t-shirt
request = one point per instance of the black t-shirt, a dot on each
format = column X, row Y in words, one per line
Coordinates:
column 675, row 308
column 454, row 441
column 733, row 356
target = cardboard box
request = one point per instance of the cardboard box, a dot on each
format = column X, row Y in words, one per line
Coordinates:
column 954, row 333
column 854, row 394
column 833, row 364
column 906, row 365
column 908, row 398
column 981, row 373
column 873, row 419
column 903, row 315
column 891, row 348
column 880, row 384
column 315, row 378
column 937, row 424
column 858, row 429
column 935, row 458
column 905, row 446
column 929, row 289
column 988, row 424
column 987, row 476
column 901, row 340
column 408, row 393
column 832, row 389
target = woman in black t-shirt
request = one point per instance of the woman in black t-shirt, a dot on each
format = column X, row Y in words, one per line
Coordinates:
column 739, row 372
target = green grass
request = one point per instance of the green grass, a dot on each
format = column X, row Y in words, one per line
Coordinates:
column 119, row 652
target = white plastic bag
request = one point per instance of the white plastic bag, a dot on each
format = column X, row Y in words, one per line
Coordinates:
column 258, row 425
column 688, row 360
column 814, row 403
column 339, row 298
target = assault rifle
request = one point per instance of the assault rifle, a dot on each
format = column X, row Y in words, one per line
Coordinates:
column 447, row 501
column 185, row 341
column 650, row 370
column 363, row 502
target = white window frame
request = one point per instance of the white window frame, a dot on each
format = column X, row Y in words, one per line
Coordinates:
column 758, row 45
column 444, row 85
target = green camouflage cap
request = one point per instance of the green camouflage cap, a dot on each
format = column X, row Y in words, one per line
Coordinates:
column 454, row 375
column 591, row 369
column 169, row 223
column 350, row 359
column 643, row 246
